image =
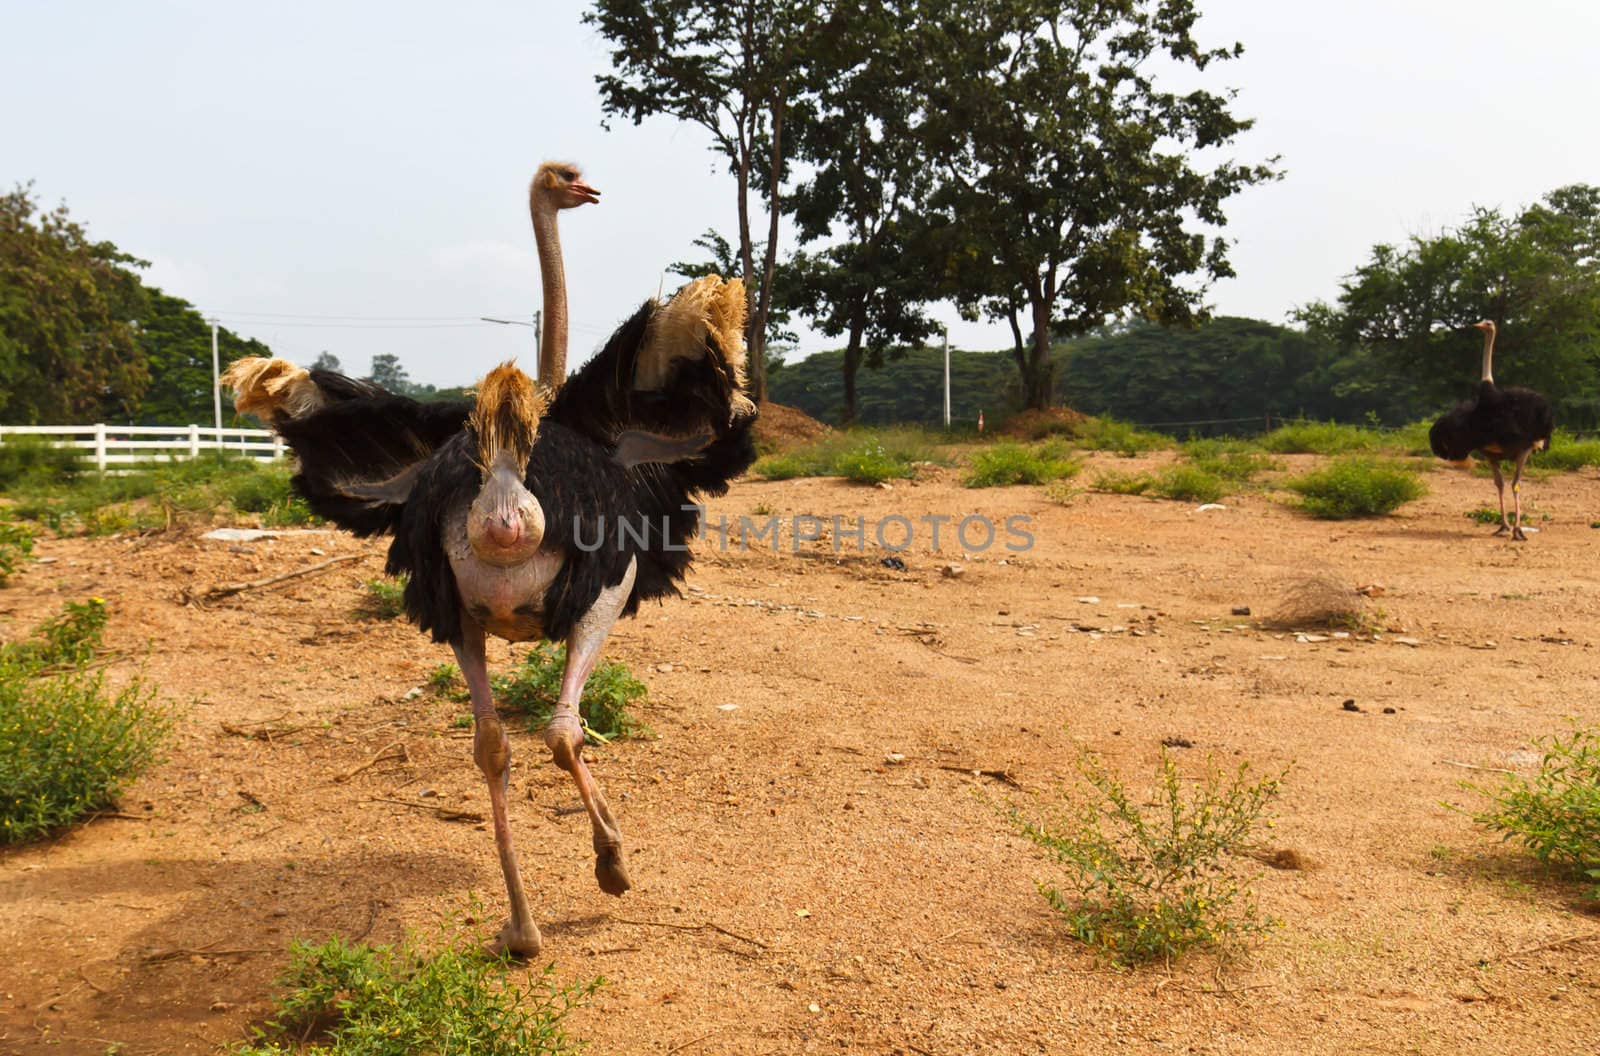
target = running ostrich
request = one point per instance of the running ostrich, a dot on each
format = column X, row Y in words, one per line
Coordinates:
column 1501, row 423
column 529, row 514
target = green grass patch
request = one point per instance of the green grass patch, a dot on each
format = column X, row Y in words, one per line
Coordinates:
column 68, row 744
column 1148, row 877
column 28, row 462
column 1567, row 453
column 1320, row 438
column 383, row 599
column 1115, row 483
column 1555, row 814
column 1185, row 483
column 609, row 697
column 1235, row 461
column 446, row 681
column 866, row 456
column 16, row 546
column 1108, row 434
column 352, row 999
column 1356, row 486
column 1008, row 463
column 1410, row 440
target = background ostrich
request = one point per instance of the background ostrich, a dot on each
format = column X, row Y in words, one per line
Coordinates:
column 529, row 517
column 1501, row 423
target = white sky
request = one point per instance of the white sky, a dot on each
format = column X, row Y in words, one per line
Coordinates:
column 281, row 161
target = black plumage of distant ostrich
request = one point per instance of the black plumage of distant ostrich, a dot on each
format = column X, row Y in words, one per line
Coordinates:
column 1501, row 423
column 527, row 514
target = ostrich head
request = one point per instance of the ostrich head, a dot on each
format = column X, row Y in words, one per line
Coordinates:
column 1486, row 325
column 505, row 524
column 561, row 185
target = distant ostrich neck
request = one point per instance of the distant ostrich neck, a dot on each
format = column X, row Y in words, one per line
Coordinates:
column 1488, row 355
column 553, row 277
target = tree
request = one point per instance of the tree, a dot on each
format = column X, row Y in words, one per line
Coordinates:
column 779, row 338
column 326, row 361
column 857, row 127
column 1535, row 274
column 1072, row 193
column 730, row 68
column 175, row 342
column 387, row 372
column 68, row 347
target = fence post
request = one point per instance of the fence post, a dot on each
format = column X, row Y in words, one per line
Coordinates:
column 100, row 446
column 194, row 441
column 277, row 446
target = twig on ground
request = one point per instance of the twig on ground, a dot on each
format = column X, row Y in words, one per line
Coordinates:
column 119, row 815
column 1471, row 766
column 1002, row 776
column 229, row 589
column 692, row 927
column 442, row 813
column 1555, row 944
column 404, row 754
column 692, row 1041
column 163, row 956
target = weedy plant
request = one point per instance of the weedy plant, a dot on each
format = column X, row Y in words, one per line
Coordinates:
column 1234, row 461
column 1320, row 438
column 16, row 546
column 68, row 744
column 1108, row 434
column 609, row 697
column 866, row 456
column 1151, row 883
column 1008, row 463
column 1357, row 487
column 383, row 599
column 1555, row 814
column 352, row 999
column 1567, row 453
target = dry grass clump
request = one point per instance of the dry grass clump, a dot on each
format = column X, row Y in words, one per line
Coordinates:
column 1322, row 600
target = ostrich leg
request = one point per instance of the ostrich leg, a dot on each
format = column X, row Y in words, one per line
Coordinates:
column 564, row 734
column 1500, row 488
column 492, row 751
column 1516, row 494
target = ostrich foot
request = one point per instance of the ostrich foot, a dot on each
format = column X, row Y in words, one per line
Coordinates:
column 524, row 945
column 1503, row 529
column 1516, row 534
column 611, row 871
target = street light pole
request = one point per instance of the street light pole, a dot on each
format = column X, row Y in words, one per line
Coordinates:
column 216, row 383
column 947, row 377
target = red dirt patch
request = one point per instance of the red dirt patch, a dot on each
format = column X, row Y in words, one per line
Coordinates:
column 780, row 428
column 1034, row 425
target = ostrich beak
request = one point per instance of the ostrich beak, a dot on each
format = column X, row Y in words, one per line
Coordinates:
column 584, row 192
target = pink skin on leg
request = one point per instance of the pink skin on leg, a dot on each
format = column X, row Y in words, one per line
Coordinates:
column 1516, row 495
column 1500, row 490
column 564, row 734
column 492, row 751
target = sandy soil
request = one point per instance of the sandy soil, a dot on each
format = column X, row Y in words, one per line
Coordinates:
column 880, row 907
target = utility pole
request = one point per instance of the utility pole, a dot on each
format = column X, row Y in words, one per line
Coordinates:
column 947, row 377
column 216, row 382
column 537, row 324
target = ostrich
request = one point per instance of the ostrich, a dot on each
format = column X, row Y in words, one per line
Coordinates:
column 1501, row 423
column 531, row 516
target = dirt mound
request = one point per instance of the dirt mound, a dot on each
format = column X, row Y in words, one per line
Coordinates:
column 780, row 427
column 1034, row 425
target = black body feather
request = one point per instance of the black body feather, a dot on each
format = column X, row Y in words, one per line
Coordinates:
column 1501, row 422
column 599, row 514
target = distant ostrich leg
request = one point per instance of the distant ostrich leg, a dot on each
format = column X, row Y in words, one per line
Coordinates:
column 1500, row 423
column 555, row 186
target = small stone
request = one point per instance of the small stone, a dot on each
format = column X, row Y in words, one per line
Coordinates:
column 894, row 758
column 802, row 913
column 953, row 571
column 1412, row 642
column 1088, row 599
column 1239, row 610
column 814, row 1007
column 665, row 669
column 1351, row 705
column 413, row 693
column 727, row 707
column 1388, row 711
column 427, row 793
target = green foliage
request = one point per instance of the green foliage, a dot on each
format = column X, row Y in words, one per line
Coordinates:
column 609, row 696
column 445, row 681
column 1150, row 883
column 1411, row 439
column 1235, row 461
column 1008, row 463
column 1188, row 484
column 1484, row 515
column 158, row 494
column 1555, row 814
column 1320, row 438
column 907, row 389
column 31, row 461
column 1568, row 453
column 16, row 544
column 174, row 341
column 1108, row 434
column 1356, row 486
column 352, row 999
column 68, row 745
column 384, row 599
column 866, row 456
column 1113, row 483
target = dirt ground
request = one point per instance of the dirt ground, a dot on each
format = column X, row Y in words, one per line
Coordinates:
column 867, row 905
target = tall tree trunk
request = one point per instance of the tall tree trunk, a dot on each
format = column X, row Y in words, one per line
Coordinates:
column 852, row 364
column 758, row 347
column 748, row 265
column 1037, row 379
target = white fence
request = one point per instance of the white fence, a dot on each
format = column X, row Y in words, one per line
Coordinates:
column 114, row 446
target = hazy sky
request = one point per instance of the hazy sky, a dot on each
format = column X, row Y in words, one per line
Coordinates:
column 351, row 177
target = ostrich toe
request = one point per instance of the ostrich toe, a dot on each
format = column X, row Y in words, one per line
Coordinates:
column 523, row 945
column 1517, row 534
column 611, row 871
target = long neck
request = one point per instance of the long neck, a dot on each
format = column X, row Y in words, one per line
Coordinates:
column 1488, row 356
column 553, row 339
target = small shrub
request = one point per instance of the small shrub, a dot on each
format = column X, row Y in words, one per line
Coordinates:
column 1323, row 601
column 1234, row 461
column 384, row 599
column 67, row 744
column 1150, row 883
column 608, row 697
column 353, row 999
column 1410, row 440
column 1555, row 814
column 1187, row 484
column 16, row 546
column 1123, row 483
column 1009, row 463
column 1108, row 434
column 1357, row 487
column 1320, row 438
column 867, row 456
